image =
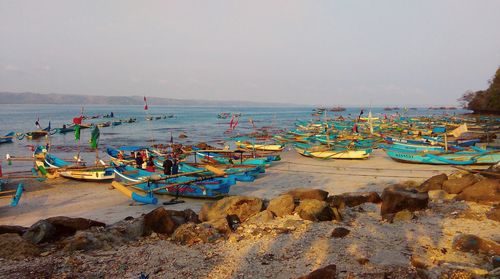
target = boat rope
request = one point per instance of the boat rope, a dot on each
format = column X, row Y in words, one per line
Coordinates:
column 350, row 174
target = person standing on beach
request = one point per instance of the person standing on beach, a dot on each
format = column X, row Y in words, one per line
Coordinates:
column 175, row 167
column 138, row 160
column 167, row 166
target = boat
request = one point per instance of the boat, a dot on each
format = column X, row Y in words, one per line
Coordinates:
column 79, row 171
column 324, row 152
column 479, row 157
column 7, row 138
column 182, row 186
column 337, row 109
column 262, row 147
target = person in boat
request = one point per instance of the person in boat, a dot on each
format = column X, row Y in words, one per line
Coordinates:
column 120, row 155
column 64, row 126
column 138, row 160
column 167, row 166
column 150, row 165
column 175, row 167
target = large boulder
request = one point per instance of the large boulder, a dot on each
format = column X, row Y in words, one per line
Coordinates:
column 55, row 228
column 484, row 191
column 261, row 218
column 93, row 240
column 190, row 233
column 307, row 194
column 433, row 183
column 457, row 185
column 282, row 205
column 221, row 225
column 165, row 221
column 12, row 229
column 395, row 199
column 16, row 248
column 314, row 210
column 472, row 243
column 241, row 206
column 327, row 272
column 353, row 199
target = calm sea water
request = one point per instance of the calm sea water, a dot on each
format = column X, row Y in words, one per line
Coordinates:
column 198, row 123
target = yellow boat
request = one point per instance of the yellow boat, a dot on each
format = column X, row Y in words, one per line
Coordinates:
column 261, row 147
column 89, row 175
column 325, row 153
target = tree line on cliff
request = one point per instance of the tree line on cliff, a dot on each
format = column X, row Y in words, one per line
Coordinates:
column 484, row 101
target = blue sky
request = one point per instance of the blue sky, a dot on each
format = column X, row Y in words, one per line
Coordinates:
column 305, row 52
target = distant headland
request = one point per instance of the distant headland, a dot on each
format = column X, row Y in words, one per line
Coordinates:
column 67, row 99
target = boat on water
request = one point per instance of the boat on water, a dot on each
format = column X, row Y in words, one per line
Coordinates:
column 7, row 138
column 323, row 152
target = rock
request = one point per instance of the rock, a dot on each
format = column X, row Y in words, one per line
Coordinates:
column 362, row 260
column 314, row 210
column 475, row 244
column 165, row 221
column 233, row 221
column 15, row 247
column 55, row 228
column 433, row 183
column 131, row 229
column 395, row 199
column 93, row 240
column 307, row 194
column 340, row 232
column 494, row 213
column 41, row 231
column 282, row 205
column 484, row 191
column 418, row 262
column 243, row 207
column 495, row 261
column 221, row 225
column 190, row 233
column 12, row 229
column 436, row 195
column 353, row 199
column 403, row 215
column 261, row 218
column 457, row 185
column 327, row 272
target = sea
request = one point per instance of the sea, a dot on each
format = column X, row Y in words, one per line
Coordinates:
column 199, row 124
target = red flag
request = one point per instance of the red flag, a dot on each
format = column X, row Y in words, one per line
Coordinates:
column 78, row 120
column 145, row 103
column 236, row 123
column 231, row 122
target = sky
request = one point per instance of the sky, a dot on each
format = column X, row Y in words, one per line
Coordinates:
column 418, row 53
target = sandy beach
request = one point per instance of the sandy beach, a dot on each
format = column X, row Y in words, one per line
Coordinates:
column 286, row 247
column 100, row 202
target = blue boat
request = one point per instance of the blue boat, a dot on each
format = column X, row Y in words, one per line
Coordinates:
column 7, row 138
column 478, row 157
column 183, row 186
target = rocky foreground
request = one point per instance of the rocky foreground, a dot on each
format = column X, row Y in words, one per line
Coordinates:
column 445, row 227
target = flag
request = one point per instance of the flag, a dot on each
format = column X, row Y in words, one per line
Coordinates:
column 231, row 122
column 236, row 123
column 459, row 130
column 251, row 122
column 77, row 120
column 355, row 128
column 94, row 138
column 370, row 121
column 77, row 132
column 145, row 103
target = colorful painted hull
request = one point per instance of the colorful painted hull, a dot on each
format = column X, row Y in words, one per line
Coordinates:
column 332, row 154
column 262, row 147
column 456, row 158
column 7, row 138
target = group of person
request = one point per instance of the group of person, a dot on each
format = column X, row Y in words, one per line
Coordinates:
column 143, row 161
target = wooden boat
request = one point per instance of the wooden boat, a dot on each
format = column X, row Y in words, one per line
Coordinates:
column 7, row 138
column 183, row 186
column 263, row 147
column 324, row 152
column 451, row 158
column 78, row 172
column 116, row 123
column 104, row 124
